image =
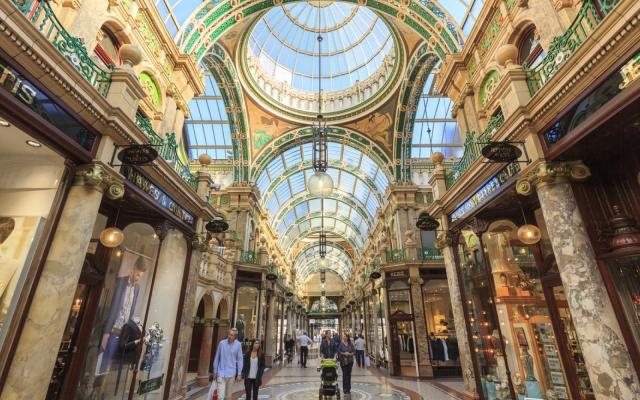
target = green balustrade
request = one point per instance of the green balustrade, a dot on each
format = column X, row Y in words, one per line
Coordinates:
column 42, row 17
column 563, row 47
column 249, row 257
column 472, row 149
column 395, row 256
column 167, row 149
column 430, row 254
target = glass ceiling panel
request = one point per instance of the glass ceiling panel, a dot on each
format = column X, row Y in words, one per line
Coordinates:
column 434, row 129
column 208, row 130
column 337, row 260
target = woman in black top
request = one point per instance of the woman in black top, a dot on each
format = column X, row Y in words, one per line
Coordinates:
column 252, row 370
column 346, row 350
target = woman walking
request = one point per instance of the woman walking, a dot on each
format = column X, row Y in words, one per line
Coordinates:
column 346, row 352
column 252, row 370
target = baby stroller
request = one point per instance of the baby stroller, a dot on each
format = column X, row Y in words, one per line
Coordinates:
column 328, row 379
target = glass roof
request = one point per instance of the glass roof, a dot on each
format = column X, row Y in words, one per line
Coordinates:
column 464, row 12
column 434, row 129
column 307, row 262
column 355, row 43
column 207, row 130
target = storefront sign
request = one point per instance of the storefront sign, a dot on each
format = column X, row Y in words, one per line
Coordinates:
column 19, row 87
column 160, row 197
column 150, row 385
column 501, row 152
column 610, row 88
column 138, row 154
column 485, row 191
column 397, row 274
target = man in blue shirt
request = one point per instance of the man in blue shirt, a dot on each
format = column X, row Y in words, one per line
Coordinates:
column 227, row 365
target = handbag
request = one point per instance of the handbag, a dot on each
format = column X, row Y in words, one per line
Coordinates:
column 367, row 361
column 213, row 391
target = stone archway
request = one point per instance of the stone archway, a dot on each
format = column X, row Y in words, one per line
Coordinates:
column 202, row 340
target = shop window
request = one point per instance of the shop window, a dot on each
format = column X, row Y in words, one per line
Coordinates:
column 246, row 317
column 30, row 178
column 443, row 343
column 530, row 52
column 107, row 49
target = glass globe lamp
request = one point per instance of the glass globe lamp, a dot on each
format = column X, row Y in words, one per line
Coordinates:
column 111, row 237
column 529, row 234
column 320, row 184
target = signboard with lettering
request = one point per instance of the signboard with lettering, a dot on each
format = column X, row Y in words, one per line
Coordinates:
column 138, row 154
column 501, row 152
column 150, row 385
column 19, row 87
column 156, row 194
column 397, row 274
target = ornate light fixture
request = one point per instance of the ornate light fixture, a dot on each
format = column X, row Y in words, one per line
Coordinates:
column 113, row 236
column 527, row 233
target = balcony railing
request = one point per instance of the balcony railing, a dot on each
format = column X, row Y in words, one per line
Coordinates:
column 395, row 256
column 167, row 149
column 42, row 17
column 562, row 48
column 472, row 149
column 430, row 254
column 248, row 257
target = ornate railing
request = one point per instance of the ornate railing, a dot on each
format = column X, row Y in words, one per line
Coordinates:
column 562, row 48
column 472, row 148
column 395, row 256
column 167, row 149
column 248, row 257
column 42, row 17
column 430, row 254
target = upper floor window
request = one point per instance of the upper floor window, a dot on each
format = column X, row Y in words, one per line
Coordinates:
column 530, row 52
column 107, row 49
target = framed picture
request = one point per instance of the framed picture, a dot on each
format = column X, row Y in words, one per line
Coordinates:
column 561, row 392
column 554, row 364
column 522, row 337
column 557, row 378
column 550, row 349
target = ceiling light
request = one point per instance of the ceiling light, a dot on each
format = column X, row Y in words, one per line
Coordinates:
column 3, row 122
column 111, row 237
column 33, row 143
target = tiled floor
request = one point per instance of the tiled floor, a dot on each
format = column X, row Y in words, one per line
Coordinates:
column 289, row 383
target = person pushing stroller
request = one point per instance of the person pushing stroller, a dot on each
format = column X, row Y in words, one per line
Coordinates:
column 328, row 347
column 329, row 369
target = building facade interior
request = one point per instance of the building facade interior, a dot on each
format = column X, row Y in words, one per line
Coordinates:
column 440, row 177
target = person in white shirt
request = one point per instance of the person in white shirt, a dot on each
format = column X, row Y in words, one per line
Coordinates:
column 305, row 341
column 359, row 345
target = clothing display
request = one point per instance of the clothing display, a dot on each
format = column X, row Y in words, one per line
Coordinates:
column 444, row 349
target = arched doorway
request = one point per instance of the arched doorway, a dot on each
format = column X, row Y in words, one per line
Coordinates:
column 201, row 340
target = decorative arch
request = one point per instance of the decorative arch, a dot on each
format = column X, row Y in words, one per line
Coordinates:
column 218, row 62
column 209, row 22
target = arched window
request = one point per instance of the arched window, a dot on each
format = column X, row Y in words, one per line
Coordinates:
column 107, row 49
column 530, row 53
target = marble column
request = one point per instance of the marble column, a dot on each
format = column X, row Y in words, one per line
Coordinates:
column 37, row 349
column 270, row 346
column 421, row 338
column 204, row 358
column 180, row 368
column 443, row 243
column 605, row 354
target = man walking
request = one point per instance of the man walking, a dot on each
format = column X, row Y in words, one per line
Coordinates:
column 359, row 346
column 227, row 365
column 327, row 347
column 305, row 341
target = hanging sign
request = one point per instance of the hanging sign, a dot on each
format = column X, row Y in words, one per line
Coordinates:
column 426, row 222
column 150, row 385
column 501, row 152
column 217, row 226
column 138, row 154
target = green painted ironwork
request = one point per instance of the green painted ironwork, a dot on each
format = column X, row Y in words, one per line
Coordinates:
column 430, row 254
column 472, row 148
column 395, row 256
column 169, row 150
column 248, row 257
column 42, row 17
column 563, row 47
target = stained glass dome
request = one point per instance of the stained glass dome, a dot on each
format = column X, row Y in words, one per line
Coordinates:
column 358, row 54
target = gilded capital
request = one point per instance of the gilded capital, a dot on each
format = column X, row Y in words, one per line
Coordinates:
column 199, row 242
column 549, row 173
column 100, row 177
column 443, row 240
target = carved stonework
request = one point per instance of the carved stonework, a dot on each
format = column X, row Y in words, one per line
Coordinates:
column 548, row 173
column 199, row 242
column 100, row 177
column 443, row 240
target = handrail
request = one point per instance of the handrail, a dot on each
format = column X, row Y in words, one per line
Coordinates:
column 563, row 46
column 248, row 257
column 395, row 256
column 430, row 254
column 42, row 17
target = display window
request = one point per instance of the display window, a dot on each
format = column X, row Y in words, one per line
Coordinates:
column 31, row 178
column 247, row 302
column 443, row 344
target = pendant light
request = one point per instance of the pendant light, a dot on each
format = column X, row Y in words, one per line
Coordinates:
column 527, row 233
column 112, row 237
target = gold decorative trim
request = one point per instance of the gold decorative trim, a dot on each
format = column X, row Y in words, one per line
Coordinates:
column 443, row 240
column 550, row 173
column 101, row 178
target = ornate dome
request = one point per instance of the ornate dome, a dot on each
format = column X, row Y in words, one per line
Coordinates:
column 358, row 49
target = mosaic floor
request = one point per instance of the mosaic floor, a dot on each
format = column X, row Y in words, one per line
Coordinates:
column 304, row 391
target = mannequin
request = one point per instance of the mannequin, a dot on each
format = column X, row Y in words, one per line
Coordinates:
column 240, row 328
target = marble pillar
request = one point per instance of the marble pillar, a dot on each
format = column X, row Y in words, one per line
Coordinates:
column 443, row 243
column 605, row 354
column 270, row 346
column 204, row 358
column 421, row 338
column 35, row 355
column 181, row 365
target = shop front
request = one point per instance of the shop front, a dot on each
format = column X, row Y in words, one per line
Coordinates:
column 249, row 315
column 376, row 328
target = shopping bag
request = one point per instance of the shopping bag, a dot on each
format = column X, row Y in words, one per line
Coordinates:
column 367, row 361
column 213, row 391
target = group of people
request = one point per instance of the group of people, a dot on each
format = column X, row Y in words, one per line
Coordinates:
column 230, row 365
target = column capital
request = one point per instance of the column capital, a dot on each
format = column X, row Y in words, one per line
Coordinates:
column 549, row 173
column 443, row 240
column 199, row 242
column 100, row 177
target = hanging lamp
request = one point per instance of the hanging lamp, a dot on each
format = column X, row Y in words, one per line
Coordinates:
column 113, row 236
column 527, row 233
